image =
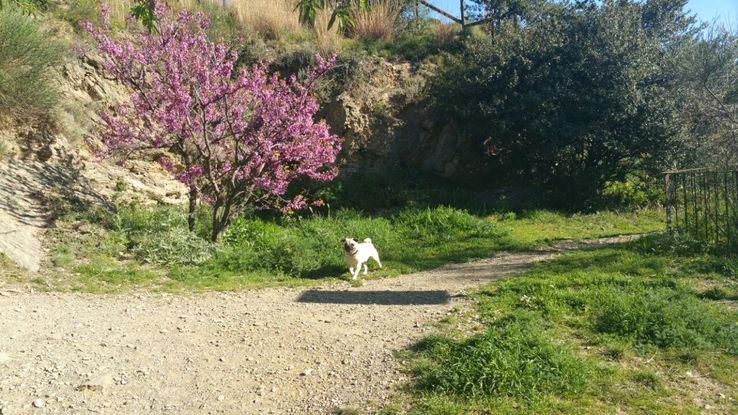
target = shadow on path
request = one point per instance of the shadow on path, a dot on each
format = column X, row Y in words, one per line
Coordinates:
column 375, row 297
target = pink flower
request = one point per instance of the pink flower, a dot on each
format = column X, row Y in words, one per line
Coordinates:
column 240, row 137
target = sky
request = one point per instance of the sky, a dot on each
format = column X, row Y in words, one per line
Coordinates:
column 725, row 11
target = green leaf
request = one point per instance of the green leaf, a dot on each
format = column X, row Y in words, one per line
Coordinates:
column 143, row 11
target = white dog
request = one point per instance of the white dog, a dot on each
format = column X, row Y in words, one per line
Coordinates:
column 357, row 254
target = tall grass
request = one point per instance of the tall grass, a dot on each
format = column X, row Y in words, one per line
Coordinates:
column 269, row 18
column 27, row 55
column 379, row 22
column 328, row 40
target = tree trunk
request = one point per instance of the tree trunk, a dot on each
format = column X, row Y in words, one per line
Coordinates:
column 220, row 223
column 192, row 208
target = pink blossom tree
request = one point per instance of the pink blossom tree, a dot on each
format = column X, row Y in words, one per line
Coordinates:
column 236, row 139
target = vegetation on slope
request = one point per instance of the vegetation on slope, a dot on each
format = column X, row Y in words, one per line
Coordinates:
column 145, row 247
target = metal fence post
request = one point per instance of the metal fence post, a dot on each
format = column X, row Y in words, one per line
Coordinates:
column 667, row 202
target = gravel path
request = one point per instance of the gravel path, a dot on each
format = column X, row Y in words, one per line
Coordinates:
column 270, row 351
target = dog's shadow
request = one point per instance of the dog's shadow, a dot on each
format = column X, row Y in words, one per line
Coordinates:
column 375, row 297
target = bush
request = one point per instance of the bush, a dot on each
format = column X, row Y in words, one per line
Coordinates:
column 75, row 12
column 27, row 54
column 224, row 24
column 160, row 236
column 176, row 246
column 380, row 192
column 519, row 95
column 327, row 40
column 633, row 192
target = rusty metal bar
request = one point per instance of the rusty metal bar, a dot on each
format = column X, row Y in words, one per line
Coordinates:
column 667, row 202
column 478, row 22
column 686, row 206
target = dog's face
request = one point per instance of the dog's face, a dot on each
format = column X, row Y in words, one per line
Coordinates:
column 350, row 245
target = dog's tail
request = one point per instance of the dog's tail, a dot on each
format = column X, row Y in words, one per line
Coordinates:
column 367, row 240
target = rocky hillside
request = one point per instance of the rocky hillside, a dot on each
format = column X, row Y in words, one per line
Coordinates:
column 384, row 122
column 45, row 166
column 379, row 113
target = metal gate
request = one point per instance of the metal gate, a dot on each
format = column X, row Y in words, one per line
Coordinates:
column 703, row 203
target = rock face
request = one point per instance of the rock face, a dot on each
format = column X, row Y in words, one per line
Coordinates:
column 85, row 88
column 385, row 123
column 45, row 163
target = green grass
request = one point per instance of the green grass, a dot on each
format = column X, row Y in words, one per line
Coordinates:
column 150, row 248
column 600, row 331
column 537, row 226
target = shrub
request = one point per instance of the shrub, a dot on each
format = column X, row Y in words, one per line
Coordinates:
column 518, row 94
column 172, row 246
column 75, row 12
column 135, row 218
column 327, row 40
column 224, row 23
column 26, row 56
column 160, row 236
column 633, row 192
column 373, row 192
column 28, row 6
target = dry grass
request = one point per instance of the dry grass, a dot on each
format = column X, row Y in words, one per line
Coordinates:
column 269, row 18
column 327, row 40
column 445, row 32
column 379, row 22
column 120, row 10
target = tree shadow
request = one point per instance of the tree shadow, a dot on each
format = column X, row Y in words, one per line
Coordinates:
column 375, row 297
column 28, row 188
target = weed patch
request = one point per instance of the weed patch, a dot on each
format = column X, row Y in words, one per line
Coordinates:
column 586, row 333
column 514, row 360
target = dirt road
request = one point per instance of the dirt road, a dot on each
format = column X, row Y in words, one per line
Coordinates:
column 271, row 351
